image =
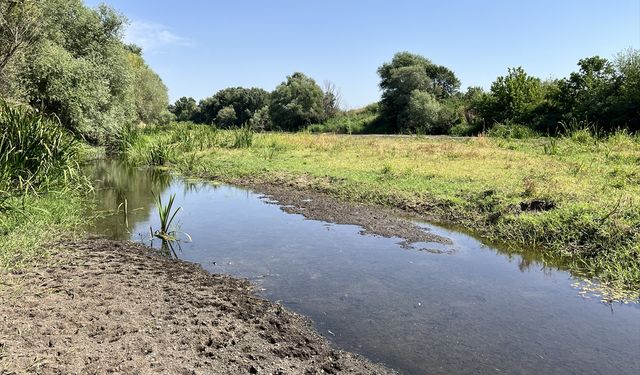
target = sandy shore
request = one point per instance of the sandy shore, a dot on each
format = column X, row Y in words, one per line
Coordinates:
column 102, row 306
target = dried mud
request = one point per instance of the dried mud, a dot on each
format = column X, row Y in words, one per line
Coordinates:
column 102, row 306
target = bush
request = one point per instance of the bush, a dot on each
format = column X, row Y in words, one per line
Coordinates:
column 426, row 115
column 357, row 121
column 511, row 131
column 465, row 130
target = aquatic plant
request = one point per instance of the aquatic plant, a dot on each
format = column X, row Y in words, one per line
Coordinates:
column 167, row 214
column 123, row 140
column 159, row 153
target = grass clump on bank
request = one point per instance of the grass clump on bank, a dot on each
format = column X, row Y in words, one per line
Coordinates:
column 575, row 198
column 40, row 184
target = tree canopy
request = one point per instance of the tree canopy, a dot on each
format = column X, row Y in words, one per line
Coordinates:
column 70, row 60
column 405, row 74
column 184, row 109
column 244, row 102
column 296, row 102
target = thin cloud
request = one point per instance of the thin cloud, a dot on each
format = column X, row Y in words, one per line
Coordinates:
column 153, row 37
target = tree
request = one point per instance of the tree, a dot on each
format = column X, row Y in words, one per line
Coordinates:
column 184, row 108
column 20, row 32
column 79, row 69
column 444, row 82
column 150, row 93
column 513, row 98
column 19, row 28
column 245, row 103
column 296, row 102
column 426, row 115
column 331, row 100
column 261, row 120
column 406, row 73
column 472, row 100
column 226, row 117
column 590, row 93
column 627, row 103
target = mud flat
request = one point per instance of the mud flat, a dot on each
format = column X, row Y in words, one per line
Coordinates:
column 102, row 306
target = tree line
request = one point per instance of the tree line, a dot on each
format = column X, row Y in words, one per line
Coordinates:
column 294, row 104
column 419, row 96
column 68, row 60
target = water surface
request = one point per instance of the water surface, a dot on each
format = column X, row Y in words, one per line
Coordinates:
column 469, row 309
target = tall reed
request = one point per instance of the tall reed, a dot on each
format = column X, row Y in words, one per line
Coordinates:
column 36, row 153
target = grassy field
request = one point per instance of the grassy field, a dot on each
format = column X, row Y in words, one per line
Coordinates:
column 576, row 199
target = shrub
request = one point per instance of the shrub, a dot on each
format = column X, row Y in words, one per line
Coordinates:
column 512, row 131
column 464, row 129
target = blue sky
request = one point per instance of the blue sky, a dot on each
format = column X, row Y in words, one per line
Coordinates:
column 200, row 47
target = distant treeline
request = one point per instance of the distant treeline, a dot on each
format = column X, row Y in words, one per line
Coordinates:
column 419, row 96
column 69, row 61
column 294, row 104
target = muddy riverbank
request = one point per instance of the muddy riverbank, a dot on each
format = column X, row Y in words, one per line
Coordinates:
column 102, row 306
column 374, row 220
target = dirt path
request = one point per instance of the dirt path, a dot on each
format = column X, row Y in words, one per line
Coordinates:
column 116, row 307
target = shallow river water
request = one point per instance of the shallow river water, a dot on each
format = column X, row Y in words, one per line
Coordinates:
column 469, row 309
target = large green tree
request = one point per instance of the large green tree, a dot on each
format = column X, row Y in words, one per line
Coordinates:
column 405, row 74
column 185, row 109
column 602, row 92
column 513, row 98
column 296, row 103
column 150, row 93
column 244, row 102
column 627, row 103
column 20, row 29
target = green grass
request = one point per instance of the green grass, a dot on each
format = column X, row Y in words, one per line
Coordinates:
column 588, row 187
column 36, row 222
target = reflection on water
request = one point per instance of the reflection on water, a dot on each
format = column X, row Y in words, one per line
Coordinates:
column 127, row 191
column 465, row 308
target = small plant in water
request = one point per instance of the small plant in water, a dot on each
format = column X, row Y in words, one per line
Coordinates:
column 167, row 215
